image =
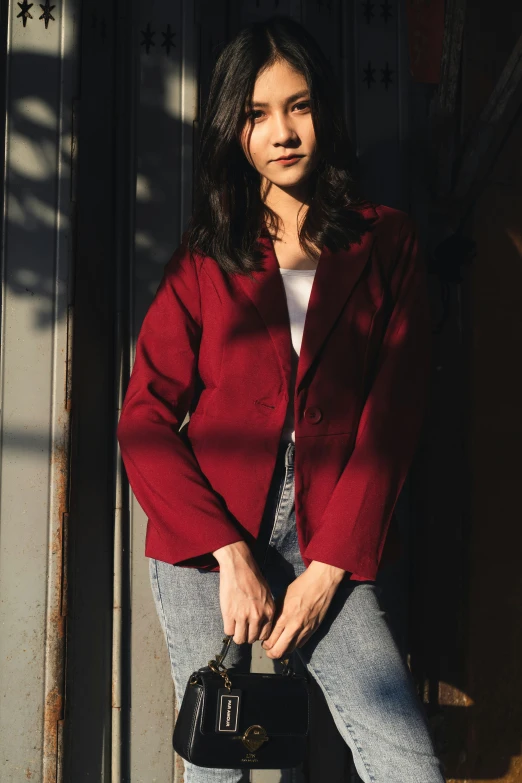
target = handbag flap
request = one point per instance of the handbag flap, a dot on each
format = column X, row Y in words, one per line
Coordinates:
column 279, row 703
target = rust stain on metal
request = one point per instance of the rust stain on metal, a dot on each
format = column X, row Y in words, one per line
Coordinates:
column 52, row 715
column 55, row 653
column 60, row 464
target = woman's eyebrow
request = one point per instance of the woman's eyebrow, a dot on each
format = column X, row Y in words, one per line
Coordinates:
column 293, row 97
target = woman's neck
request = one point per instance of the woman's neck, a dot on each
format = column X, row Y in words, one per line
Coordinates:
column 290, row 206
column 291, row 209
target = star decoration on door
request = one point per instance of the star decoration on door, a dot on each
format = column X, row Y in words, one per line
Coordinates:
column 169, row 43
column 369, row 74
column 386, row 76
column 47, row 15
column 24, row 13
column 386, row 12
column 368, row 10
column 147, row 38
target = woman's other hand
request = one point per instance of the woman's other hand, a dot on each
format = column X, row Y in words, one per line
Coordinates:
column 246, row 602
column 303, row 608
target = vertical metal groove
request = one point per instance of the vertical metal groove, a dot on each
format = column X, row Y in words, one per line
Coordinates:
column 3, row 248
column 189, row 93
column 54, row 661
column 125, row 171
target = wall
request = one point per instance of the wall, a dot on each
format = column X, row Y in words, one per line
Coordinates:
column 494, row 286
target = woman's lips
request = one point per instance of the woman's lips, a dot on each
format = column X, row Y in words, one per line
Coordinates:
column 288, row 161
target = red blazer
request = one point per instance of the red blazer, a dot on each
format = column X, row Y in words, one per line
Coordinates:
column 219, row 346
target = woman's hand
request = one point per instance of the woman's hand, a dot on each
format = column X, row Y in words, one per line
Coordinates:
column 303, row 609
column 246, row 602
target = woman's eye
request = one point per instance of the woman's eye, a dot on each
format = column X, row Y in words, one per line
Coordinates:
column 256, row 114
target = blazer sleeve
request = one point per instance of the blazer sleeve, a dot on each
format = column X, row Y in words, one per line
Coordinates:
column 355, row 522
column 161, row 467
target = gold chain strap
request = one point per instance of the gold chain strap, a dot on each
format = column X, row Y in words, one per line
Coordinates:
column 217, row 664
column 222, row 673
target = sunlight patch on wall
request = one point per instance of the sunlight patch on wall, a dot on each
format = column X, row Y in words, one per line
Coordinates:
column 451, row 695
column 33, row 159
column 143, row 188
column 516, row 239
column 36, row 110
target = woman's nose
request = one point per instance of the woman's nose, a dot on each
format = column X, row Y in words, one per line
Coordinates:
column 284, row 130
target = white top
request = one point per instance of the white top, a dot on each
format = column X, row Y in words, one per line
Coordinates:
column 298, row 287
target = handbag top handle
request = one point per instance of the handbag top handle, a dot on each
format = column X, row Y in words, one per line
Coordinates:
column 217, row 664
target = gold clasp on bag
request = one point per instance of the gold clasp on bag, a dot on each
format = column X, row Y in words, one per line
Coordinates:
column 253, row 738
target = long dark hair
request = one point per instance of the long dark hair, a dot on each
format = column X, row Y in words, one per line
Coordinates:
column 228, row 209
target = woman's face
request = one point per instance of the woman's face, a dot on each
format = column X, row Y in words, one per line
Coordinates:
column 279, row 125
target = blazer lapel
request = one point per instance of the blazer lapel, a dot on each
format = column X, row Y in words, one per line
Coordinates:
column 336, row 276
column 266, row 290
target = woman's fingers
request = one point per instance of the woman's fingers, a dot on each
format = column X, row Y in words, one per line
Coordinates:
column 229, row 626
column 285, row 643
column 254, row 627
column 265, row 631
column 250, row 632
column 277, row 630
column 249, row 629
column 258, row 623
column 241, row 632
column 267, row 621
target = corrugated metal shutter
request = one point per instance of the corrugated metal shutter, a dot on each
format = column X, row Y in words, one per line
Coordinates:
column 39, row 67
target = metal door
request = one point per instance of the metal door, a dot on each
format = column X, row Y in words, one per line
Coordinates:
column 39, row 56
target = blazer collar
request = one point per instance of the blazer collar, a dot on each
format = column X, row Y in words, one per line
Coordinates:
column 336, row 275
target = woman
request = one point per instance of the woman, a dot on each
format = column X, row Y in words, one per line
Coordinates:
column 269, row 512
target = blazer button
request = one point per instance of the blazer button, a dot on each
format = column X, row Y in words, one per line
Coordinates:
column 313, row 414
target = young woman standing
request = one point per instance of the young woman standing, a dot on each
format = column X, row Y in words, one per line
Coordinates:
column 292, row 323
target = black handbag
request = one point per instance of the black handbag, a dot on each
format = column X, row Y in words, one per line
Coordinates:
column 233, row 720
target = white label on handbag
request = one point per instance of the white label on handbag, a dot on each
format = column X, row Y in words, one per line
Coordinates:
column 228, row 709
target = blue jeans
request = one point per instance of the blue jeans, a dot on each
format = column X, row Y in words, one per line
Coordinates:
column 352, row 655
